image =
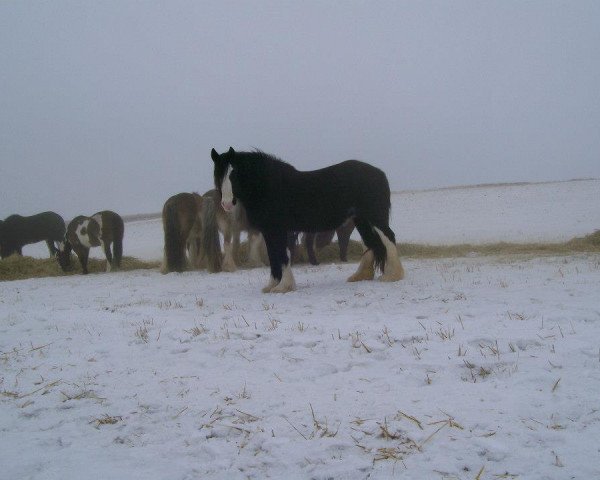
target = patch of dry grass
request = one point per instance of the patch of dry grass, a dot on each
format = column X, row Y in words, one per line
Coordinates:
column 589, row 243
column 20, row 268
column 16, row 267
column 586, row 244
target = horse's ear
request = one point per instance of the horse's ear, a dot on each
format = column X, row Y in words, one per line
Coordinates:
column 231, row 158
column 214, row 155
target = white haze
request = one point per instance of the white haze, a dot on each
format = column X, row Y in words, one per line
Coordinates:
column 117, row 104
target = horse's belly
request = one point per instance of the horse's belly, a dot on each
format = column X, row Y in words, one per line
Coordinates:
column 317, row 222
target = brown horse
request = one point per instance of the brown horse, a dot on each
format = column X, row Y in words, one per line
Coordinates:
column 182, row 225
column 101, row 229
column 214, row 220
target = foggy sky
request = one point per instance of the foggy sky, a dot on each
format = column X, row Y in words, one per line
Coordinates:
column 116, row 104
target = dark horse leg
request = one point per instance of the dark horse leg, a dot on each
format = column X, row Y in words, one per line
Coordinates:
column 109, row 256
column 292, row 244
column 309, row 240
column 118, row 250
column 83, row 254
column 51, row 248
column 282, row 279
column 343, row 235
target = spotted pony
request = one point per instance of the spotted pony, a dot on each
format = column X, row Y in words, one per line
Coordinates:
column 103, row 229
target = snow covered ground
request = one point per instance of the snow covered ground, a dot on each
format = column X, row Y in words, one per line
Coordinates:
column 542, row 212
column 469, row 368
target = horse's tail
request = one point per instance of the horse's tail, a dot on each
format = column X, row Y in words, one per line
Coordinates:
column 374, row 226
column 174, row 243
column 211, row 243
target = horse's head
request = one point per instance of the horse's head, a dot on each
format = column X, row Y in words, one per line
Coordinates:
column 63, row 254
column 225, row 177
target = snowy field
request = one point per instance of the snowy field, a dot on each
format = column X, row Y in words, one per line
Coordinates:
column 469, row 368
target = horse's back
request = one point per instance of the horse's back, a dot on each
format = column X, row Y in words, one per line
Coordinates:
column 324, row 199
column 349, row 175
column 35, row 228
column 183, row 203
column 54, row 223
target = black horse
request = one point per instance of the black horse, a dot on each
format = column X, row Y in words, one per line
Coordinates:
column 17, row 231
column 104, row 229
column 280, row 199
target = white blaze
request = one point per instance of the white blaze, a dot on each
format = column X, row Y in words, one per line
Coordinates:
column 227, row 191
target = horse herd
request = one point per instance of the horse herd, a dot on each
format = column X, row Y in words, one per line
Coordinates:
column 255, row 193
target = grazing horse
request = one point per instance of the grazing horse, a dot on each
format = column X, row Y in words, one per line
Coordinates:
column 101, row 229
column 280, row 199
column 17, row 231
column 182, row 227
column 313, row 241
column 214, row 220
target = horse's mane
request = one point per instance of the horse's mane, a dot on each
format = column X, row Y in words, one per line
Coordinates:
column 263, row 157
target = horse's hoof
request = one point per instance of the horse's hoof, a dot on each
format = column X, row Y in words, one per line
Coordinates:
column 283, row 289
column 393, row 272
column 286, row 284
column 362, row 275
column 391, row 277
column 270, row 286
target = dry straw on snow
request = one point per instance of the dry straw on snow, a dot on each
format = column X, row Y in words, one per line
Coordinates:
column 19, row 268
